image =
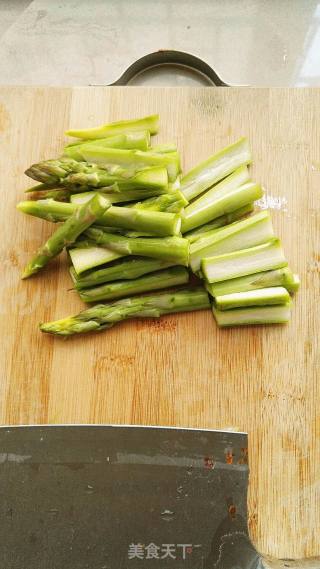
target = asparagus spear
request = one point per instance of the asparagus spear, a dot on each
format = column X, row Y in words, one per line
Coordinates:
column 150, row 123
column 278, row 314
column 132, row 160
column 119, row 197
column 217, row 223
column 137, row 140
column 67, row 233
column 169, row 248
column 241, row 234
column 173, row 202
column 215, row 169
column 85, row 258
column 104, row 316
column 225, row 197
column 244, row 262
column 161, row 279
column 150, row 222
column 127, row 268
column 262, row 296
column 71, row 174
column 278, row 277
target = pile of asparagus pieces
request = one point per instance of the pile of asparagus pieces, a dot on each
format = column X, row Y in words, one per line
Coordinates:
column 132, row 224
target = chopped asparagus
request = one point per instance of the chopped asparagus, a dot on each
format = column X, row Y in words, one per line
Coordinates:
column 278, row 314
column 119, row 197
column 217, row 223
column 169, row 248
column 127, row 268
column 225, row 197
column 150, row 123
column 215, row 168
column 69, row 173
column 262, row 296
column 278, row 277
column 241, row 234
column 173, row 202
column 104, row 316
column 161, row 279
column 147, row 221
column 67, row 233
column 137, row 140
column 132, row 160
column 86, row 258
column 244, row 262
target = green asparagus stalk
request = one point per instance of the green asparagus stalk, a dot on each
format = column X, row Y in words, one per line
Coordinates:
column 153, row 281
column 244, row 262
column 60, row 194
column 114, row 198
column 241, row 234
column 217, row 223
column 226, row 197
column 103, row 316
column 170, row 203
column 169, row 249
column 75, row 175
column 150, row 222
column 132, row 160
column 123, row 269
column 150, row 123
column 275, row 278
column 85, row 258
column 259, row 297
column 215, row 169
column 67, row 233
column 278, row 314
column 136, row 140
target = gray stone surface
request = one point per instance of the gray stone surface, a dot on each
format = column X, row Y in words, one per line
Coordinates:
column 255, row 42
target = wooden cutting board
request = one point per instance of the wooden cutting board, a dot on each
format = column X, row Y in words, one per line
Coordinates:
column 180, row 370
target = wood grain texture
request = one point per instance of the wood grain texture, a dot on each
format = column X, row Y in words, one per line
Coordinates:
column 181, row 370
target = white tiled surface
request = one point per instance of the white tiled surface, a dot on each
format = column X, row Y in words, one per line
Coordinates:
column 255, row 42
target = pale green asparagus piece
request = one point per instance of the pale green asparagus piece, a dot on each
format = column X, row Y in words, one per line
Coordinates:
column 146, row 221
column 173, row 276
column 122, row 269
column 104, row 316
column 150, row 123
column 115, row 198
column 67, row 233
column 136, row 140
column 244, row 262
column 215, row 168
column 169, row 248
column 241, row 234
column 132, row 160
column 278, row 277
column 278, row 314
column 225, row 197
column 259, row 297
column 85, row 258
column 173, row 202
column 217, row 223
